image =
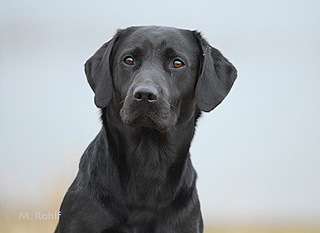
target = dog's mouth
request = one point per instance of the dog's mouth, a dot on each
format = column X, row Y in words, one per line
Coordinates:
column 144, row 120
column 159, row 116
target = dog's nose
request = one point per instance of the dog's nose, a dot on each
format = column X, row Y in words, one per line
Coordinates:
column 146, row 94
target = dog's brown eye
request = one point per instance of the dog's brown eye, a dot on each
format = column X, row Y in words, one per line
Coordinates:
column 128, row 60
column 177, row 63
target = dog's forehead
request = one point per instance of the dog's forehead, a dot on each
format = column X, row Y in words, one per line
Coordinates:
column 157, row 37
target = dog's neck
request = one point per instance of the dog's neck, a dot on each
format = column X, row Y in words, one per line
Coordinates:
column 146, row 157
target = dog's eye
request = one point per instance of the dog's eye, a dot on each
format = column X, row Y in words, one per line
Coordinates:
column 128, row 60
column 177, row 63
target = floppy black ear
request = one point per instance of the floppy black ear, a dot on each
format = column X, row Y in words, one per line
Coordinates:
column 98, row 73
column 216, row 77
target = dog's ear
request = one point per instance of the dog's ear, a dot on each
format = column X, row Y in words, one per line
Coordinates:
column 216, row 76
column 97, row 69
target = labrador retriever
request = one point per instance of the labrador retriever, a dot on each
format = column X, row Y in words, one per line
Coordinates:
column 151, row 84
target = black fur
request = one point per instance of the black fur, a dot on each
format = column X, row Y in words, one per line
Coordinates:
column 136, row 175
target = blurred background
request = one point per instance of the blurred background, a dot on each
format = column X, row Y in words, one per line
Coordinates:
column 257, row 154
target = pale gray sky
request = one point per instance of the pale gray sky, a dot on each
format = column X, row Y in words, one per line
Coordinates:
column 257, row 154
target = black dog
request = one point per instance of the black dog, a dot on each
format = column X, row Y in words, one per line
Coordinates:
column 136, row 176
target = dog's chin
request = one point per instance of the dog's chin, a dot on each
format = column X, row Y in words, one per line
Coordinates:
column 144, row 121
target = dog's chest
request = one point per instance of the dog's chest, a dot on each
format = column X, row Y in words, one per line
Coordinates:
column 149, row 188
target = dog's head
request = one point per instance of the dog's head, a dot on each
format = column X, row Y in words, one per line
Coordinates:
column 156, row 76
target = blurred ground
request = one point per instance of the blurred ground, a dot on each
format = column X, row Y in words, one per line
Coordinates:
column 25, row 226
column 262, row 229
column 15, row 221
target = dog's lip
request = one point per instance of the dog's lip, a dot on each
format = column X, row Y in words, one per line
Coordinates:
column 145, row 121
